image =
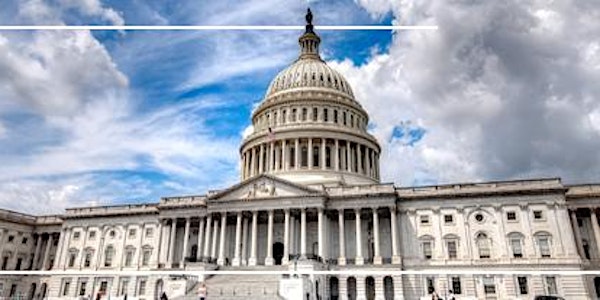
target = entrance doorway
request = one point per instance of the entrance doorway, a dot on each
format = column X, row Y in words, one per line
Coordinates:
column 370, row 285
column 278, row 253
column 333, row 288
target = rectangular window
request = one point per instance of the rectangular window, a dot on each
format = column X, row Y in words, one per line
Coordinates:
column 538, row 215
column 88, row 259
column 488, row 285
column 335, row 116
column 430, row 285
column 523, row 289
column 24, row 240
column 4, row 262
column 424, row 219
column 72, row 257
column 517, row 250
column 146, row 257
column 19, row 262
column 304, row 114
column 511, row 216
column 11, row 238
column 452, row 249
column 132, row 233
column 103, row 287
column 76, row 235
column 550, row 282
column 92, row 235
column 456, row 287
column 325, row 115
column 149, row 232
column 448, row 219
column 124, row 285
column 293, row 116
column 128, row 257
column 82, row 287
column 544, row 245
column 66, row 286
column 142, row 287
column 315, row 114
column 427, row 251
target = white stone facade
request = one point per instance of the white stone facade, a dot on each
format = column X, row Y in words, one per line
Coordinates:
column 310, row 199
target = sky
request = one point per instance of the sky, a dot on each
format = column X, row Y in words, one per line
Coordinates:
column 502, row 90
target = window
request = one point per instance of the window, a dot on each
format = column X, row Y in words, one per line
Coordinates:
column 72, row 257
column 515, row 245
column 24, row 240
column 66, row 286
column 325, row 115
column 335, row 116
column 543, row 241
column 448, row 219
column 132, row 233
column 550, row 283
column 92, row 235
column 430, row 283
column 292, row 160
column 316, row 156
column 76, row 235
column 456, row 287
column 19, row 262
column 483, row 245
column 427, row 249
column 142, row 287
column 304, row 114
column 88, row 258
column 82, row 287
column 293, row 116
column 523, row 289
column 112, row 234
column 124, row 285
column 424, row 219
column 538, row 215
column 284, row 116
column 315, row 114
column 129, row 256
column 149, row 232
column 452, row 249
column 4, row 262
column 488, row 285
column 146, row 257
column 344, row 118
column 511, row 216
column 11, row 238
column 304, row 157
column 479, row 218
column 108, row 256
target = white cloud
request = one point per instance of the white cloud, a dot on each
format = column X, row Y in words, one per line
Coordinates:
column 503, row 89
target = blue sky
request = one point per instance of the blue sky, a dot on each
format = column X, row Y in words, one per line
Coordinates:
column 500, row 91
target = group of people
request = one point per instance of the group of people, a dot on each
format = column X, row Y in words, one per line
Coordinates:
column 435, row 296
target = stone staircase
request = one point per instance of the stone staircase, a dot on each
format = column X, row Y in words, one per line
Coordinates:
column 236, row 287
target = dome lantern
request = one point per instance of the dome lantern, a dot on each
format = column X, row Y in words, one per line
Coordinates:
column 309, row 41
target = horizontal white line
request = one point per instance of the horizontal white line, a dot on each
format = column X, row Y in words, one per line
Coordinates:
column 208, row 27
column 312, row 272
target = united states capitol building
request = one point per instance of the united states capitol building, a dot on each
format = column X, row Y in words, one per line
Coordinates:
column 310, row 198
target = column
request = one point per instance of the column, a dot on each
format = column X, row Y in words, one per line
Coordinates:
column 359, row 258
column 348, row 157
column 359, row 159
column 253, row 251
column 172, row 238
column 342, row 238
column 286, row 237
column 595, row 227
column 186, row 237
column 47, row 252
column 139, row 248
column 200, row 238
column 63, row 243
column 271, row 157
column 207, row 238
column 284, row 153
column 310, row 153
column 297, row 154
column 160, row 241
column 377, row 257
column 36, row 254
column 252, row 165
column 269, row 259
column 221, row 259
column 261, row 163
column 577, row 234
column 244, row 255
column 323, row 158
column 336, row 156
column 320, row 236
column 368, row 161
column 238, row 240
column 215, row 238
column 394, row 233
column 303, row 233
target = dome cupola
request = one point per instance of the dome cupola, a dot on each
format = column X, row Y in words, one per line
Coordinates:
column 309, row 128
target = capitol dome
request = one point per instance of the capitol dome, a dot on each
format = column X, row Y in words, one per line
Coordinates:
column 309, row 128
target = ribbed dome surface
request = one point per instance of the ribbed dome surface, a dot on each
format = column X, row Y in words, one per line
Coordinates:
column 309, row 73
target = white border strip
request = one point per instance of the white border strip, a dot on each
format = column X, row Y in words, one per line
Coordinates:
column 207, row 27
column 310, row 272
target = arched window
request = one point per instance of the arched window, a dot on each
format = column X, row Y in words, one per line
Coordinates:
column 370, row 288
column 304, row 114
column 327, row 157
column 427, row 246
column 147, row 253
column 292, row 156
column 515, row 240
column 351, row 287
column 543, row 240
column 87, row 260
column 334, row 288
column 388, row 288
column 109, row 253
column 304, row 156
column 72, row 257
column 315, row 114
column 129, row 254
column 483, row 245
column 315, row 156
column 451, row 244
